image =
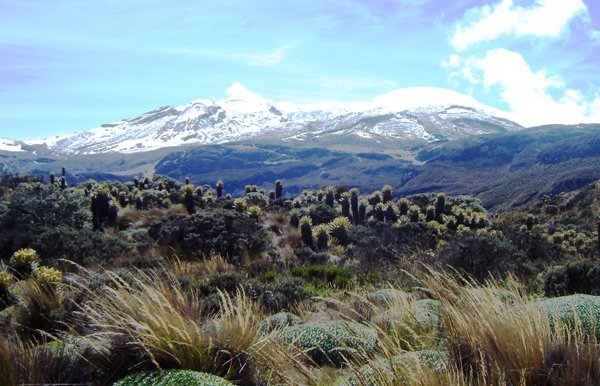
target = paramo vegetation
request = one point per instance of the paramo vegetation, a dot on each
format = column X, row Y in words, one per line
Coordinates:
column 159, row 282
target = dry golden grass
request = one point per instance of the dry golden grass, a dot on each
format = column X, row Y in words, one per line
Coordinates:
column 157, row 317
column 496, row 337
column 213, row 265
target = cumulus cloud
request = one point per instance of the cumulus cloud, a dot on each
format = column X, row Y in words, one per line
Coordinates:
column 546, row 18
column 534, row 97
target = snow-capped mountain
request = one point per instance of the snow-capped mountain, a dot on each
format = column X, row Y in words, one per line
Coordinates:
column 10, row 145
column 418, row 115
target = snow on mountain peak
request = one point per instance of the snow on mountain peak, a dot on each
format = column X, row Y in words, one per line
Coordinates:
column 9, row 145
column 420, row 114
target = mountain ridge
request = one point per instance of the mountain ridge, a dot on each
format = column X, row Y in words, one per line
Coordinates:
column 406, row 117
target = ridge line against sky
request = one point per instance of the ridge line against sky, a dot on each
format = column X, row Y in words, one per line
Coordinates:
column 71, row 65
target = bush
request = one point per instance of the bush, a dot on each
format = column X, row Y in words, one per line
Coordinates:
column 482, row 254
column 283, row 294
column 331, row 342
column 323, row 214
column 327, row 274
column 219, row 231
column 172, row 377
column 577, row 277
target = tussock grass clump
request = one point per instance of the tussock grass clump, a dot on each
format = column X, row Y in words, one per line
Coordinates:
column 496, row 339
column 162, row 325
column 24, row 361
column 151, row 322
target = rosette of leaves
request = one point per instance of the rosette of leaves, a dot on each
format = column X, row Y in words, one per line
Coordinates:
column 428, row 313
column 188, row 198
column 48, row 275
column 386, row 193
column 23, row 262
column 321, row 234
column 295, row 217
column 254, row 211
column 413, row 213
column 239, row 204
column 338, row 229
column 6, row 279
column 330, row 342
column 171, row 378
column 306, row 232
column 379, row 211
column 279, row 321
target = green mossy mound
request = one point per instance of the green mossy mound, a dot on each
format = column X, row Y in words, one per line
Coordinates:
column 569, row 309
column 172, row 378
column 330, row 342
column 386, row 371
column 426, row 317
column 278, row 321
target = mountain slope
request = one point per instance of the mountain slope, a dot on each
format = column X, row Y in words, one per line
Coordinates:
column 403, row 118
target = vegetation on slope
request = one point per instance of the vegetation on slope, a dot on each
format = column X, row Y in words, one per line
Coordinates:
column 102, row 281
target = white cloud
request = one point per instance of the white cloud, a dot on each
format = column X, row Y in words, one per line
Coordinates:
column 239, row 91
column 265, row 59
column 534, row 97
column 547, row 18
column 260, row 59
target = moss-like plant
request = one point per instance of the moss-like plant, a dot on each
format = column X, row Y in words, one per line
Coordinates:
column 572, row 309
column 392, row 370
column 171, row 378
column 331, row 342
column 278, row 321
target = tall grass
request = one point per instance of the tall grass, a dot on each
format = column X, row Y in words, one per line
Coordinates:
column 161, row 325
column 495, row 336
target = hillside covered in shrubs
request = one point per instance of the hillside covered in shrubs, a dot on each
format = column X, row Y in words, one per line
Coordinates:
column 157, row 281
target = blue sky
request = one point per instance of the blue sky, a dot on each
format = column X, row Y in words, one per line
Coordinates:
column 71, row 65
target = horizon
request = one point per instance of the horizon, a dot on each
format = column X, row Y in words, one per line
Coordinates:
column 70, row 67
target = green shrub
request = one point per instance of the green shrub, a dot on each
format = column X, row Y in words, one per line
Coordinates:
column 279, row 321
column 172, row 378
column 284, row 294
column 482, row 254
column 322, row 214
column 220, row 231
column 577, row 277
column 331, row 342
column 327, row 274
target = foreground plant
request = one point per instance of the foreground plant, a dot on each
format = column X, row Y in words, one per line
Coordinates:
column 497, row 339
